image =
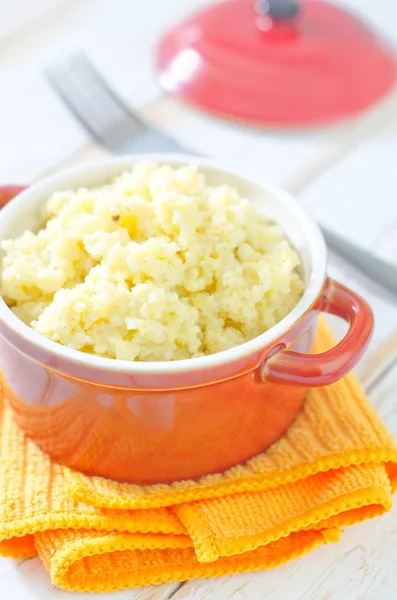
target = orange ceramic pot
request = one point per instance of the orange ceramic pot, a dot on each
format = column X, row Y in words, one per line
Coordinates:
column 145, row 422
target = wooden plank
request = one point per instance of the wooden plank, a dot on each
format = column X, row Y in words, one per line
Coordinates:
column 37, row 131
column 15, row 16
column 34, row 134
column 29, row 580
column 356, row 197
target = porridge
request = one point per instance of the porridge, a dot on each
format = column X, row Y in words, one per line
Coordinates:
column 157, row 265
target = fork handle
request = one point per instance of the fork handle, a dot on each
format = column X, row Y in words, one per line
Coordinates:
column 378, row 270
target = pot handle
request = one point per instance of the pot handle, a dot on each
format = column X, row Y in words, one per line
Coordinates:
column 7, row 192
column 312, row 370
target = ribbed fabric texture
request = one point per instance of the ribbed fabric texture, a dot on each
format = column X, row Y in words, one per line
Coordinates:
column 336, row 465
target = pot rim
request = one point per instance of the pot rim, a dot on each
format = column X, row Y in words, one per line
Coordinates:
column 315, row 283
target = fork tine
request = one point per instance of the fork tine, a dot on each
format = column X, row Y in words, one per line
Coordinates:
column 87, row 68
column 94, row 104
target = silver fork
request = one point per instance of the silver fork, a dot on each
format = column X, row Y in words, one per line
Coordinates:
column 102, row 113
column 121, row 131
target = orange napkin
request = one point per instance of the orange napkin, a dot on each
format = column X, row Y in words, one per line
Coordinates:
column 336, row 465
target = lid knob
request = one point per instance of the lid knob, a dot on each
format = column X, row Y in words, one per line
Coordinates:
column 278, row 10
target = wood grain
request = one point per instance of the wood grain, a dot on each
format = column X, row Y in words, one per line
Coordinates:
column 28, row 580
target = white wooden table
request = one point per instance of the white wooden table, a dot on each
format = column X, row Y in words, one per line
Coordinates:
column 345, row 176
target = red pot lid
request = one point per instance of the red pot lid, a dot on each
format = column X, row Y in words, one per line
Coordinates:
column 276, row 62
